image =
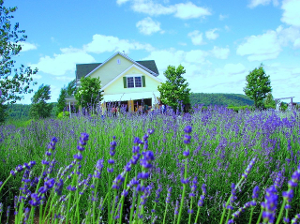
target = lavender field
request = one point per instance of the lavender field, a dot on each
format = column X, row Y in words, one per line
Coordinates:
column 212, row 166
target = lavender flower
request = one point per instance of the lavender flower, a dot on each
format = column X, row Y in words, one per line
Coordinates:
column 99, row 167
column 52, row 144
column 294, row 220
column 233, row 197
column 169, row 195
column 187, row 129
column 118, row 182
column 176, row 208
column 270, row 204
column 59, row 187
column 82, row 141
column 35, row 200
column 193, row 187
column 248, row 169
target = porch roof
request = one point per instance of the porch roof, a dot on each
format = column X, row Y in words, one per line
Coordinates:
column 130, row 96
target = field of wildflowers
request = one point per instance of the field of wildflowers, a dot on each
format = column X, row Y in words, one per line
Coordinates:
column 211, row 166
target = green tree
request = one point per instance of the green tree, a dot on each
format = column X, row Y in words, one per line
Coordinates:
column 270, row 102
column 258, row 86
column 175, row 90
column 39, row 107
column 89, row 92
column 61, row 101
column 13, row 82
column 65, row 92
column 71, row 88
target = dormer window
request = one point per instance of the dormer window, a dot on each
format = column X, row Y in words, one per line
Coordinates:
column 134, row 81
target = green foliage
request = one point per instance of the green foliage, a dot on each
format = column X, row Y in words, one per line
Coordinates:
column 270, row 102
column 283, row 106
column 89, row 92
column 3, row 113
column 175, row 90
column 10, row 37
column 63, row 115
column 40, row 108
column 61, row 101
column 258, row 86
column 71, row 87
column 18, row 112
column 220, row 99
column 241, row 108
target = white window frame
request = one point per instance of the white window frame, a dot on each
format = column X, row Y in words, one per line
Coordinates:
column 133, row 76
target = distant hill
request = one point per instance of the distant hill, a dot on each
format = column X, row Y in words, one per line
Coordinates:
column 222, row 99
column 21, row 111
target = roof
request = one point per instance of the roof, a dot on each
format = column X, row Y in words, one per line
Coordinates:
column 151, row 65
column 84, row 69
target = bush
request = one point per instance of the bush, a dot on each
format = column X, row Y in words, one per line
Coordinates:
column 241, row 108
column 63, row 115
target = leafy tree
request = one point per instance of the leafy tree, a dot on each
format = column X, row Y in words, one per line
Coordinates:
column 258, row 86
column 71, row 88
column 175, row 90
column 283, row 106
column 61, row 101
column 89, row 92
column 40, row 108
column 13, row 81
column 270, row 102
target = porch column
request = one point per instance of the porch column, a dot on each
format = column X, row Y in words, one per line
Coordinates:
column 70, row 108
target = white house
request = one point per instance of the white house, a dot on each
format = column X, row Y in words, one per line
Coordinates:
column 123, row 80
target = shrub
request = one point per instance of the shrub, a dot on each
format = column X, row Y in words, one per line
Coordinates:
column 63, row 115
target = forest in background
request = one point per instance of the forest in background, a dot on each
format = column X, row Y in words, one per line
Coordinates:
column 221, row 99
column 21, row 111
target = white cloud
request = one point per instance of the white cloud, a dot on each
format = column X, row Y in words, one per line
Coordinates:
column 297, row 43
column 226, row 28
column 222, row 17
column 291, row 13
column 190, row 11
column 261, row 47
column 182, row 10
column 254, row 3
column 287, row 35
column 151, row 8
column 234, row 68
column 211, row 35
column 120, row 2
column 36, row 76
column 102, row 43
column 195, row 56
column 59, row 64
column 27, row 46
column 197, row 37
column 64, row 78
column 220, row 53
column 147, row 26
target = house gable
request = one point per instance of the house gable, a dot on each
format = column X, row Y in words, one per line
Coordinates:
column 110, row 69
column 116, row 85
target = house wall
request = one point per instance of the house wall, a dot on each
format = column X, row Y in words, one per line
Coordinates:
column 111, row 69
column 117, row 86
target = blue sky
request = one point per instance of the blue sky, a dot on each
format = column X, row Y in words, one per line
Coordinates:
column 218, row 42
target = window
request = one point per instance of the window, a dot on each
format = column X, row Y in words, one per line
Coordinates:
column 134, row 81
column 138, row 81
column 130, row 82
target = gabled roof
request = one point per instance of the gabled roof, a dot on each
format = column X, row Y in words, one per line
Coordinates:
column 112, row 81
column 85, row 69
